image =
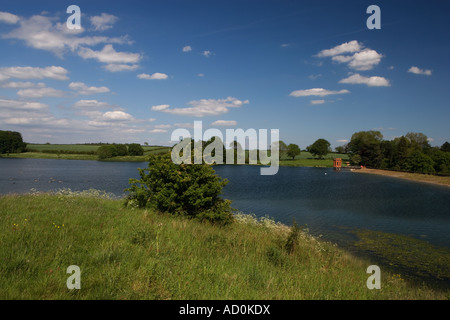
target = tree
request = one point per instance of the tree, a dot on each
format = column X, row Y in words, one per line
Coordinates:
column 106, row 152
column 319, row 148
column 419, row 162
column 445, row 147
column 418, row 140
column 282, row 148
column 121, row 150
column 135, row 149
column 367, row 145
column 340, row 149
column 11, row 142
column 293, row 150
column 191, row 190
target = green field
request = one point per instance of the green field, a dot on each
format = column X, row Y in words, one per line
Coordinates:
column 305, row 159
column 126, row 253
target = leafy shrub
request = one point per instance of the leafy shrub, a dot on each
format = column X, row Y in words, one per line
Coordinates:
column 190, row 190
column 121, row 150
column 135, row 149
column 106, row 151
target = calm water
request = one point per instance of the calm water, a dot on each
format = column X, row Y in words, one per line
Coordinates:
column 329, row 203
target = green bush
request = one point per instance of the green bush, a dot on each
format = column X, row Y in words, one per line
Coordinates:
column 135, row 149
column 106, row 152
column 190, row 190
column 11, row 142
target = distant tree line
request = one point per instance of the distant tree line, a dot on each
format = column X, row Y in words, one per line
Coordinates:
column 11, row 142
column 411, row 152
column 119, row 150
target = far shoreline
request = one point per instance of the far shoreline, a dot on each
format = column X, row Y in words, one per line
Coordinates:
column 419, row 177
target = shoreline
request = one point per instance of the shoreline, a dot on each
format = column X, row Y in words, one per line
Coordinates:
column 418, row 177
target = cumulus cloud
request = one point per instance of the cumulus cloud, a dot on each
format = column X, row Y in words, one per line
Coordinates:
column 40, row 92
column 354, row 54
column 9, row 18
column 103, row 21
column 224, row 123
column 160, row 107
column 52, row 72
column 158, row 131
column 21, row 105
column 90, row 104
column 39, row 32
column 205, row 107
column 114, row 67
column 109, row 55
column 22, row 85
column 320, row 92
column 347, row 47
column 117, row 116
column 187, row 48
column 82, row 88
column 417, row 70
column 373, row 81
column 155, row 76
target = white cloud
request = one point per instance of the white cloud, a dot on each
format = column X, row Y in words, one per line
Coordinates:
column 90, row 104
column 9, row 18
column 342, row 140
column 163, row 126
column 207, row 53
column 317, row 101
column 160, row 107
column 84, row 89
column 109, row 55
column 225, row 123
column 201, row 75
column 365, row 60
column 373, row 81
column 117, row 116
column 40, row 32
column 52, row 72
column 158, row 131
column 22, row 85
column 187, row 48
column 206, row 107
column 347, row 47
column 417, row 70
column 155, row 76
column 113, row 67
column 21, row 105
column 38, row 93
column 103, row 21
column 354, row 54
column 320, row 92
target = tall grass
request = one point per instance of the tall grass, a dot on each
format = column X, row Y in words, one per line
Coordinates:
column 126, row 253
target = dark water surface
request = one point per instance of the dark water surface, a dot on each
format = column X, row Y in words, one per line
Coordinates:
column 330, row 203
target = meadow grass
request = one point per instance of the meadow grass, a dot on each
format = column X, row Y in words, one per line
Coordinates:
column 127, row 253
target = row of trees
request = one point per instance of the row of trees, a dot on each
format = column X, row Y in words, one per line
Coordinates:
column 11, row 142
column 119, row 150
column 411, row 152
column 319, row 149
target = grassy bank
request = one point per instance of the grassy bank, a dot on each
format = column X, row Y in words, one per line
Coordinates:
column 126, row 253
column 41, row 151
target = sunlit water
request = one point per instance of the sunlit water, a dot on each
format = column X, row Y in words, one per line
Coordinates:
column 330, row 203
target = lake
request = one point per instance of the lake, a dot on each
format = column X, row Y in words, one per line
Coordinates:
column 330, row 203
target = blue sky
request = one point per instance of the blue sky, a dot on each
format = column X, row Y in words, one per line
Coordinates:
column 138, row 70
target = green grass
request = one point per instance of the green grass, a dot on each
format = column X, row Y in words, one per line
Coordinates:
column 126, row 253
column 38, row 152
column 306, row 159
